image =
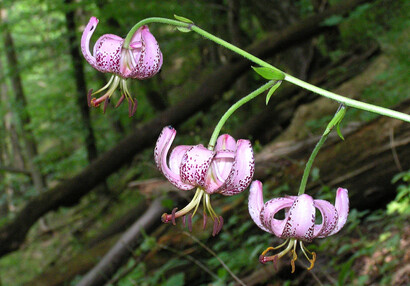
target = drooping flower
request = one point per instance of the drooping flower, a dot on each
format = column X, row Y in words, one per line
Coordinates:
column 299, row 223
column 143, row 59
column 227, row 169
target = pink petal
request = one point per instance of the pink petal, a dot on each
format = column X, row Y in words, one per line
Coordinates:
column 267, row 216
column 342, row 208
column 225, row 142
column 329, row 218
column 195, row 165
column 107, row 53
column 219, row 170
column 242, row 170
column 85, row 41
column 149, row 62
column 301, row 219
column 255, row 203
column 162, row 146
column 175, row 160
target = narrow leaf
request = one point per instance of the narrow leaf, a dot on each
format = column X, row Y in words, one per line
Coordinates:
column 183, row 29
column 183, row 19
column 339, row 132
column 269, row 73
column 271, row 91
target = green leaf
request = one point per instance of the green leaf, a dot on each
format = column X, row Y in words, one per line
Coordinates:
column 272, row 90
column 183, row 19
column 183, row 29
column 269, row 73
column 339, row 132
column 332, row 21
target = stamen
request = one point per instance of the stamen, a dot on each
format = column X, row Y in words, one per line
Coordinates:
column 215, row 227
column 105, row 86
column 204, row 220
column 311, row 260
column 107, row 100
column 220, row 225
column 89, row 97
column 173, row 216
column 120, row 100
column 134, row 108
column 294, row 256
column 183, row 221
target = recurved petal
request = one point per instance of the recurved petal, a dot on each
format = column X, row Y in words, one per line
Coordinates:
column 301, row 219
column 342, row 208
column 85, row 41
column 162, row 146
column 329, row 218
column 225, row 142
column 149, row 62
column 175, row 159
column 219, row 170
column 242, row 170
column 195, row 165
column 107, row 53
column 268, row 212
column 255, row 203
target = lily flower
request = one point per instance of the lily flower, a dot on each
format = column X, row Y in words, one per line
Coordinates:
column 299, row 223
column 227, row 170
column 143, row 59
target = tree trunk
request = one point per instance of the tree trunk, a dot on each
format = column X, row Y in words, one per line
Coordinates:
column 81, row 88
column 22, row 113
column 71, row 191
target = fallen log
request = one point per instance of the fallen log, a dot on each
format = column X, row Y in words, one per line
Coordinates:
column 72, row 190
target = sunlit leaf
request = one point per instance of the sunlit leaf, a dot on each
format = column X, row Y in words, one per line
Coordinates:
column 272, row 90
column 183, row 19
column 269, row 73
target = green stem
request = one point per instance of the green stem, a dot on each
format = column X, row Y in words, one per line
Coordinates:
column 233, row 108
column 336, row 120
column 289, row 78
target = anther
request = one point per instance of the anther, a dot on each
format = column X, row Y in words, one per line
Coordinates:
column 120, row 100
column 220, row 224
column 173, row 216
column 106, row 104
column 134, row 108
column 214, row 231
column 183, row 221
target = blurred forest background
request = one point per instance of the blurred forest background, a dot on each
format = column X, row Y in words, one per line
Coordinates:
column 73, row 180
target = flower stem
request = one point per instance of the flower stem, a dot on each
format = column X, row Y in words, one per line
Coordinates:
column 233, row 108
column 289, row 78
column 334, row 122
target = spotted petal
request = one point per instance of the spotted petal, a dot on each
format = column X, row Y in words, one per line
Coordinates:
column 219, row 170
column 242, row 170
column 342, row 208
column 329, row 218
column 268, row 212
column 301, row 219
column 195, row 164
column 160, row 154
column 85, row 41
column 149, row 62
column 107, row 53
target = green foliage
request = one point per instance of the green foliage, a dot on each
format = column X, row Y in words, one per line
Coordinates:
column 401, row 203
